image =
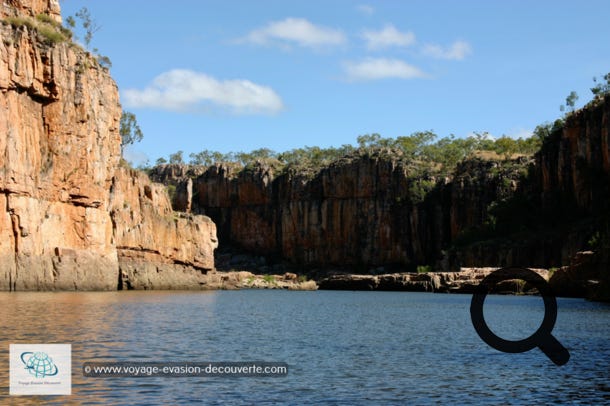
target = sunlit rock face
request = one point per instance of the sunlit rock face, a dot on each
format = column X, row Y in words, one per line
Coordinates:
column 61, row 227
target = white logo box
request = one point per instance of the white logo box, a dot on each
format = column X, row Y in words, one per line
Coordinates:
column 40, row 369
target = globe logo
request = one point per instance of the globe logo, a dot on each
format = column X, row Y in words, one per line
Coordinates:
column 39, row 364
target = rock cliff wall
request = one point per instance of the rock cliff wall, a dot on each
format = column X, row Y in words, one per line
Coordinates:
column 374, row 210
column 573, row 166
column 61, row 225
column 60, row 144
column 31, row 8
column 157, row 247
column 364, row 211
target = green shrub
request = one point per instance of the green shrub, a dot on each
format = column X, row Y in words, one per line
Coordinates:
column 419, row 188
column 49, row 29
column 269, row 278
column 51, row 34
column 47, row 19
column 424, row 268
column 21, row 21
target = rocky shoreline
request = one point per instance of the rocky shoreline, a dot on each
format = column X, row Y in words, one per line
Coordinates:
column 235, row 270
column 464, row 281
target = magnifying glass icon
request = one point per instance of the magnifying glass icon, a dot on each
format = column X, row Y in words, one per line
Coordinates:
column 542, row 338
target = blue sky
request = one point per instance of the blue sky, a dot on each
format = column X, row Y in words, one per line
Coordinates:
column 240, row 75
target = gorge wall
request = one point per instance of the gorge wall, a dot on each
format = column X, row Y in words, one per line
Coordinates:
column 70, row 218
column 364, row 211
column 374, row 209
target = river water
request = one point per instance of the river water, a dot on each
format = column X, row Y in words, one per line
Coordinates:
column 342, row 348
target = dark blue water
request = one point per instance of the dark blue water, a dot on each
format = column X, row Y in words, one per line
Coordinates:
column 342, row 347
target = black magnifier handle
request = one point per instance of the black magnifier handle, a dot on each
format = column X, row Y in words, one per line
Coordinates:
column 554, row 350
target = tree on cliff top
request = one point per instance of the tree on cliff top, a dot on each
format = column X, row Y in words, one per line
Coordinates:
column 90, row 27
column 176, row 158
column 601, row 88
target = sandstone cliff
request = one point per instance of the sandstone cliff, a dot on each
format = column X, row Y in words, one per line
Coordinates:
column 157, row 247
column 374, row 210
column 62, row 225
column 60, row 145
column 363, row 211
column 31, row 8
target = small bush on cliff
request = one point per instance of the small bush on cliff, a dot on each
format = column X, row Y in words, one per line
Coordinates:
column 419, row 188
column 45, row 18
column 21, row 22
column 51, row 34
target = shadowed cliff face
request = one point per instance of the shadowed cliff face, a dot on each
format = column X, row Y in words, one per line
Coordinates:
column 59, row 151
column 573, row 166
column 374, row 209
column 367, row 210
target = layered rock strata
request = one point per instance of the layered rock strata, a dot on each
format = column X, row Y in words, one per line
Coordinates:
column 70, row 219
column 59, row 117
column 157, row 247
column 31, row 8
column 363, row 211
column 375, row 210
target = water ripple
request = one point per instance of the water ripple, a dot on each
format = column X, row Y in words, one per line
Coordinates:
column 343, row 348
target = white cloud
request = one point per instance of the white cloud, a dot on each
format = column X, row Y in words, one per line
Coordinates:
column 380, row 68
column 186, row 90
column 387, row 37
column 297, row 31
column 365, row 9
column 457, row 51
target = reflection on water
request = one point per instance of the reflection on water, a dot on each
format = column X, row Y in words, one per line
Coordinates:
column 342, row 347
column 101, row 326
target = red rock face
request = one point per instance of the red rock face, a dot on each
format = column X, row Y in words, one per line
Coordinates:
column 31, row 8
column 147, row 229
column 361, row 212
column 353, row 212
column 356, row 212
column 59, row 150
column 60, row 145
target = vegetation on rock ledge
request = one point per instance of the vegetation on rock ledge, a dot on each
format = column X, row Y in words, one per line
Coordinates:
column 51, row 31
